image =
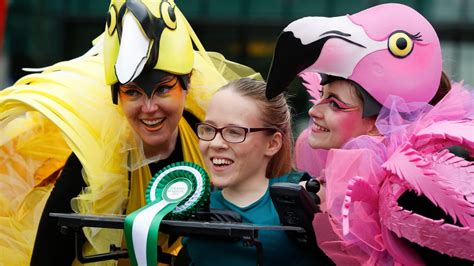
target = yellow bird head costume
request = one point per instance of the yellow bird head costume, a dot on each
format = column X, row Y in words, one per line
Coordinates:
column 144, row 41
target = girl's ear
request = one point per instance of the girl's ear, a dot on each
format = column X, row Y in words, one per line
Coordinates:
column 373, row 130
column 274, row 144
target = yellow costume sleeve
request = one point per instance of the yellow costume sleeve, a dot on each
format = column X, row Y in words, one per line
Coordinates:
column 43, row 118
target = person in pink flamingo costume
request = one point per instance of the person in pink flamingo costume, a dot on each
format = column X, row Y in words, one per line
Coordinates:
column 395, row 193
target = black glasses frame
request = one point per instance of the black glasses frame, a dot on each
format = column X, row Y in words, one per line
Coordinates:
column 219, row 130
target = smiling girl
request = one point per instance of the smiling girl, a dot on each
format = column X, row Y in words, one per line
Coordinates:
column 155, row 119
column 246, row 142
column 337, row 117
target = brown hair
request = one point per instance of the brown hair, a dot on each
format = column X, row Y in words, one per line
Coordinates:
column 275, row 113
column 443, row 89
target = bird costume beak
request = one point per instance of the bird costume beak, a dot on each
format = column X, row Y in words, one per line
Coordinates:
column 142, row 36
column 387, row 50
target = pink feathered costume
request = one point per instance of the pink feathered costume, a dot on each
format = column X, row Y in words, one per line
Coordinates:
column 365, row 177
column 393, row 53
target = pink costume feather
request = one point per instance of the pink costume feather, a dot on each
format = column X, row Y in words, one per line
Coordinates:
column 311, row 81
column 308, row 159
column 419, row 162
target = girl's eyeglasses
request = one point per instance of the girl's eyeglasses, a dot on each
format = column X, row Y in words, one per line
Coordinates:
column 232, row 134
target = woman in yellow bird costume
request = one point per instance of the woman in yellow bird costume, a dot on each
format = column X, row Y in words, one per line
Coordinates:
column 66, row 146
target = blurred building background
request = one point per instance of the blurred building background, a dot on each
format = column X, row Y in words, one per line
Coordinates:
column 42, row 32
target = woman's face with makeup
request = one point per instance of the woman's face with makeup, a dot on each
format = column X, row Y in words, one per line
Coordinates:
column 154, row 117
column 337, row 117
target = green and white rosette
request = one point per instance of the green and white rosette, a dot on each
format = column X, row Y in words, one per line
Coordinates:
column 178, row 190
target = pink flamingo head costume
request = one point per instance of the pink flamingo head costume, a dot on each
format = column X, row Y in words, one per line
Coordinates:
column 393, row 55
column 388, row 49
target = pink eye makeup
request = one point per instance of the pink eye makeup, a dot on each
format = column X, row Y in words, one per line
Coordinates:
column 337, row 105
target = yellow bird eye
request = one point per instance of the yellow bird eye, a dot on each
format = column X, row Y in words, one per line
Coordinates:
column 400, row 44
column 111, row 20
column 168, row 15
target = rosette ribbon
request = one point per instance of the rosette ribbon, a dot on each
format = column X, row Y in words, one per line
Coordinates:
column 178, row 190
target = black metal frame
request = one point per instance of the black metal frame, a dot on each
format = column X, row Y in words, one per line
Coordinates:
column 246, row 232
